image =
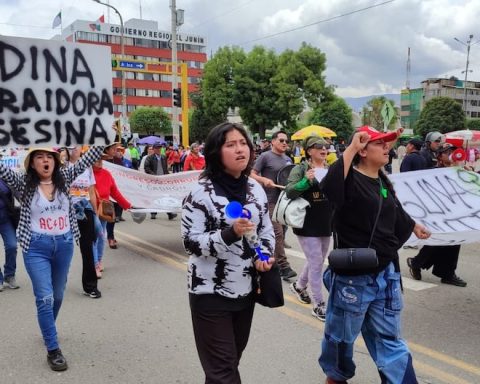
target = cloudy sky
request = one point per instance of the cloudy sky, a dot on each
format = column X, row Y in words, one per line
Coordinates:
column 365, row 41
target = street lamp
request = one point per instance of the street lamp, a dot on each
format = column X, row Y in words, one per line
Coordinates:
column 122, row 48
column 468, row 44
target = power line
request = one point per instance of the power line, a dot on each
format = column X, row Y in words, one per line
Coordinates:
column 317, row 22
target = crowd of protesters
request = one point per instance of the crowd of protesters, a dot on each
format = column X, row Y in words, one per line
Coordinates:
column 66, row 187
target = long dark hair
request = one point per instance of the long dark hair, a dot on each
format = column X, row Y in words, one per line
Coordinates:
column 32, row 180
column 213, row 146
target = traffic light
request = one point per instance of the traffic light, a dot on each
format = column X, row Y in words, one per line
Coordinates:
column 177, row 97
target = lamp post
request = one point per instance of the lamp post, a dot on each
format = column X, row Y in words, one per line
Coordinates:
column 123, row 115
column 177, row 21
column 468, row 44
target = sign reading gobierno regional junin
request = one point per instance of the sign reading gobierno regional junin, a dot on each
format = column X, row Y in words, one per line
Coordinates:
column 54, row 93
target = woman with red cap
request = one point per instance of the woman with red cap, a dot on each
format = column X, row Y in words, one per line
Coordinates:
column 366, row 297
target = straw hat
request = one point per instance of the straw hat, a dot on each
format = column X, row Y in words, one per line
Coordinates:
column 26, row 162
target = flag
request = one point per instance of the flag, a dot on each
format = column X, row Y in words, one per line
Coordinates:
column 57, row 20
column 101, row 19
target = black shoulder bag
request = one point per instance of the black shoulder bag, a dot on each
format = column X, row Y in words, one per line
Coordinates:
column 356, row 258
column 13, row 211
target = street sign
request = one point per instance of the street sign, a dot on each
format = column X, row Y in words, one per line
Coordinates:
column 131, row 65
column 388, row 112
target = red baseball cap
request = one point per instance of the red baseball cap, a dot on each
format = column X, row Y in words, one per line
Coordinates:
column 376, row 135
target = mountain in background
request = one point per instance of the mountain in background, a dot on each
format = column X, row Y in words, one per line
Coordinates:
column 357, row 103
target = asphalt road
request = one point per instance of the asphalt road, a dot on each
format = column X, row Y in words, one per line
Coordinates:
column 140, row 330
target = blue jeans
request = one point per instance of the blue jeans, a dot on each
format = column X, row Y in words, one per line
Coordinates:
column 99, row 246
column 47, row 262
column 10, row 244
column 370, row 304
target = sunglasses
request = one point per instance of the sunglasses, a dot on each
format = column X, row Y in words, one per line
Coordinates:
column 283, row 141
column 318, row 146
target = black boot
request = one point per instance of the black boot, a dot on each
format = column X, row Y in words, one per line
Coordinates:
column 56, row 361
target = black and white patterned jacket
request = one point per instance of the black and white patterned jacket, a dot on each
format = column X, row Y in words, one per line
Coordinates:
column 215, row 267
column 16, row 180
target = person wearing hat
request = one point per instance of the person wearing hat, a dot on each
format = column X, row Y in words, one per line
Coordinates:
column 442, row 259
column 429, row 151
column 413, row 161
column 156, row 164
column 134, row 155
column 46, row 233
column 314, row 237
column 366, row 298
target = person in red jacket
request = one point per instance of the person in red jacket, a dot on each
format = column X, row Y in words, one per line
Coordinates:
column 106, row 188
column 195, row 160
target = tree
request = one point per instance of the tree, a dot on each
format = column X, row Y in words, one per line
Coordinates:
column 335, row 115
column 441, row 114
column 217, row 86
column 150, row 120
column 473, row 124
column 372, row 113
column 200, row 121
column 272, row 90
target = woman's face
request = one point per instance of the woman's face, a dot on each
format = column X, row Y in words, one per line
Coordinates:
column 43, row 163
column 235, row 153
column 318, row 152
column 377, row 152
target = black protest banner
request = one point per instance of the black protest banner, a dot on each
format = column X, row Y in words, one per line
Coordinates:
column 54, row 93
column 445, row 200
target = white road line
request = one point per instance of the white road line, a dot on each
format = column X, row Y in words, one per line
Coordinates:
column 413, row 285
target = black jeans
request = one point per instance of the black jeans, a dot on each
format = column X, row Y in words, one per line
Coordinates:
column 221, row 337
column 87, row 239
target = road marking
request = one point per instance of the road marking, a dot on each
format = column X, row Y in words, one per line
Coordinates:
column 430, row 370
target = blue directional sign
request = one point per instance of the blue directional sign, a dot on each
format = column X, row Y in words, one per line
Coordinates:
column 131, row 64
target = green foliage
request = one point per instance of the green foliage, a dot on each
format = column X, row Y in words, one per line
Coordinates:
column 372, row 113
column 150, row 120
column 335, row 115
column 473, row 124
column 217, row 86
column 268, row 89
column 441, row 114
column 200, row 121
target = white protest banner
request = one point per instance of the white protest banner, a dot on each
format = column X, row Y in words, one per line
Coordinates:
column 54, row 93
column 445, row 200
column 153, row 193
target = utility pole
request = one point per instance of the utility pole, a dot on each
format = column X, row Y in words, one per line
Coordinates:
column 468, row 44
column 177, row 20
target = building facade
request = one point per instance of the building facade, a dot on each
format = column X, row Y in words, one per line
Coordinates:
column 413, row 100
column 143, row 41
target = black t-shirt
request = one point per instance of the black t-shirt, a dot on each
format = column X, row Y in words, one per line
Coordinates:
column 356, row 201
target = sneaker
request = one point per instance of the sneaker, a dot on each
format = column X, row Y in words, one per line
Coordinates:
column 286, row 245
column 415, row 272
column 171, row 216
column 94, row 294
column 112, row 243
column 454, row 280
column 287, row 273
column 301, row 294
column 56, row 361
column 319, row 311
column 11, row 283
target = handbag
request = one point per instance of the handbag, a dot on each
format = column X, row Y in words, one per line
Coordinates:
column 105, row 209
column 290, row 212
column 356, row 258
column 268, row 289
